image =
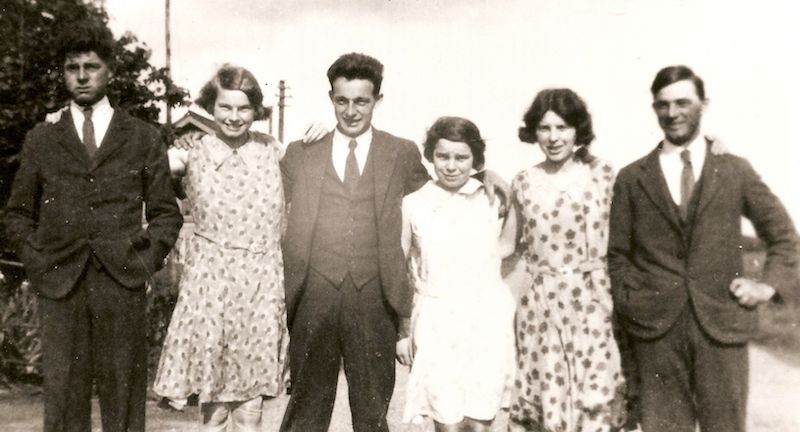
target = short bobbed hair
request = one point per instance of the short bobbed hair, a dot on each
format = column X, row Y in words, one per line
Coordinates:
column 568, row 105
column 357, row 66
column 672, row 74
column 231, row 77
column 456, row 129
column 87, row 36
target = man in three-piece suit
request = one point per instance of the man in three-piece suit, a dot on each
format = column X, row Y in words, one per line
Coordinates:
column 75, row 220
column 345, row 272
column 675, row 259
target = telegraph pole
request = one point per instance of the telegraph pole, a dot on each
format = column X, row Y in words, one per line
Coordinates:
column 169, row 72
column 281, row 105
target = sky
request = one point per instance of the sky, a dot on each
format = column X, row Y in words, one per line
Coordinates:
column 487, row 59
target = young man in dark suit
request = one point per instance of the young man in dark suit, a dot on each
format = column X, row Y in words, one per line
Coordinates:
column 75, row 220
column 345, row 274
column 675, row 259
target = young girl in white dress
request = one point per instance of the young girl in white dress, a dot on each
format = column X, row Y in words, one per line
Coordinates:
column 461, row 346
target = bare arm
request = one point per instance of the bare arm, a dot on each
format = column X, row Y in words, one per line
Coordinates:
column 509, row 233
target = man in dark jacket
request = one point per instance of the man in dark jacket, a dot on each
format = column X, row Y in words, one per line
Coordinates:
column 75, row 220
column 675, row 259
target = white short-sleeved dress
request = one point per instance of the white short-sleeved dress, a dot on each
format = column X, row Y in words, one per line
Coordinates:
column 227, row 338
column 462, row 320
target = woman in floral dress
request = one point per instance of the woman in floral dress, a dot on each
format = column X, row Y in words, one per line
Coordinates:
column 462, row 341
column 227, row 338
column 569, row 376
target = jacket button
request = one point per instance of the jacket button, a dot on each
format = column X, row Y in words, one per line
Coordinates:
column 90, row 179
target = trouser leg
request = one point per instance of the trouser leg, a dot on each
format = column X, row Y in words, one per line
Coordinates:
column 119, row 345
column 721, row 377
column 664, row 364
column 314, row 357
column 66, row 361
column 369, row 336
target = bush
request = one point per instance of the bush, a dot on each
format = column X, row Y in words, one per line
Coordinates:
column 20, row 345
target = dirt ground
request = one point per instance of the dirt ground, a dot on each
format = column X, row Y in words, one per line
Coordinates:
column 774, row 405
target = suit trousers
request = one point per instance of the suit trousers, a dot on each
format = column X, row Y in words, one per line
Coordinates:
column 97, row 331
column 688, row 378
column 334, row 326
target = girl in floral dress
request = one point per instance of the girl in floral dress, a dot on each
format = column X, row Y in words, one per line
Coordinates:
column 462, row 340
column 227, row 338
column 569, row 376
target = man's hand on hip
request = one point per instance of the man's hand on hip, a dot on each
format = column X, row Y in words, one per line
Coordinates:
column 750, row 293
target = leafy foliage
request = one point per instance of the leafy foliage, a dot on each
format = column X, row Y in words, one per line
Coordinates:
column 30, row 72
column 20, row 343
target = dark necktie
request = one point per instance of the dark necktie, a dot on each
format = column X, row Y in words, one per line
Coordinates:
column 351, row 173
column 88, row 132
column 687, row 183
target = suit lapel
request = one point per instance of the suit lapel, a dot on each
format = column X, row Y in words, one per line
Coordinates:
column 384, row 160
column 710, row 184
column 655, row 186
column 116, row 135
column 317, row 157
column 67, row 137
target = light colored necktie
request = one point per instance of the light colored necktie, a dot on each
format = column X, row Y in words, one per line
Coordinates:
column 687, row 183
column 88, row 133
column 351, row 173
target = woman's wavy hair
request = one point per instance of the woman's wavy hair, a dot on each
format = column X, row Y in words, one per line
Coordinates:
column 231, row 77
column 567, row 105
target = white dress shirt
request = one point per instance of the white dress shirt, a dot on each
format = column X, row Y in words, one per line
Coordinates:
column 101, row 118
column 672, row 164
column 341, row 148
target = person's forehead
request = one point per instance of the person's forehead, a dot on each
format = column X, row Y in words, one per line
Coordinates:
column 343, row 85
column 679, row 89
column 83, row 57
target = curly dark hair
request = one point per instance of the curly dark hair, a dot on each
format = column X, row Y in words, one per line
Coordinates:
column 456, row 129
column 84, row 37
column 568, row 105
column 672, row 74
column 357, row 66
column 231, row 77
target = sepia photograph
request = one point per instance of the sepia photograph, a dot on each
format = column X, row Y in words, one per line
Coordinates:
column 399, row 215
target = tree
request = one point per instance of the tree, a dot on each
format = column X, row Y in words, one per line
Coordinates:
column 30, row 79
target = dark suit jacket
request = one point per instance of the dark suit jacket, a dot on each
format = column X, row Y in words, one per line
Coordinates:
column 657, row 267
column 64, row 207
column 398, row 171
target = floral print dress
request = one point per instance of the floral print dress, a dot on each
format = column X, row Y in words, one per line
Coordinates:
column 569, row 376
column 227, row 338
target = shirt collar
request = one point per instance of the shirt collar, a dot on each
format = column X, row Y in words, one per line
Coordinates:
column 103, row 105
column 697, row 144
column 469, row 188
column 221, row 152
column 363, row 140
